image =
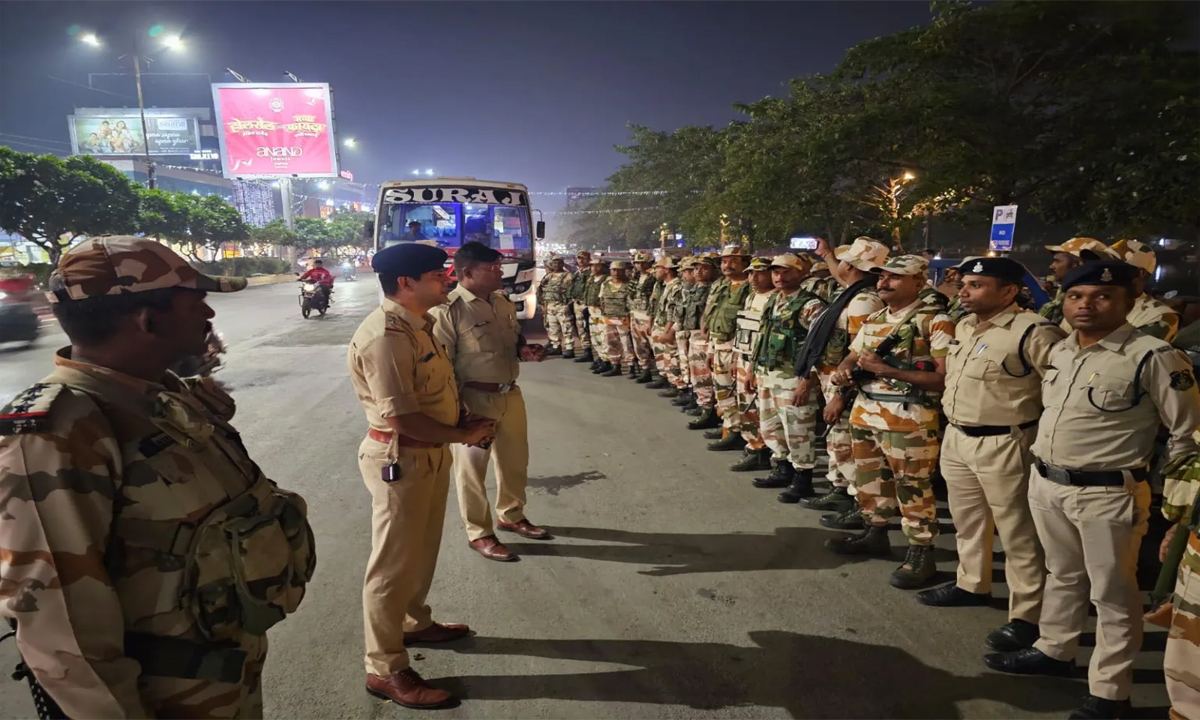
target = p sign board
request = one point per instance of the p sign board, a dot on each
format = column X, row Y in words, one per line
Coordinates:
column 1004, row 223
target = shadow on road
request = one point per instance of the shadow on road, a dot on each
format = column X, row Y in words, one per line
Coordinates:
column 806, row 675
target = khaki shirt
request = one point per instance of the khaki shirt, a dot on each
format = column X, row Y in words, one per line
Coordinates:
column 1154, row 317
column 994, row 369
column 481, row 336
column 398, row 368
column 1096, row 418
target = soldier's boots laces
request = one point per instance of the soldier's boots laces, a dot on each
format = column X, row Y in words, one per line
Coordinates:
column 613, row 371
column 670, row 392
column 714, row 434
column 801, row 487
column 918, row 568
column 872, row 541
column 732, row 441
column 685, row 397
column 586, row 357
column 753, row 460
column 837, row 500
column 645, row 377
column 1098, row 708
column 707, row 419
column 780, row 477
column 849, row 519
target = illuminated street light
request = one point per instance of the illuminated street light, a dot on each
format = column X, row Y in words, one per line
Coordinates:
column 429, row 173
column 350, row 142
column 174, row 42
column 90, row 39
column 909, row 176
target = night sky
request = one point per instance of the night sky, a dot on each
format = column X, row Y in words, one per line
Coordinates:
column 529, row 92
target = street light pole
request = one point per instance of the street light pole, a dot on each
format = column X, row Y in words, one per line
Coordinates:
column 137, row 77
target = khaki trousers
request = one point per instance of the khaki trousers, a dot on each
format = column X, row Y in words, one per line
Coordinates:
column 1092, row 536
column 406, row 534
column 511, row 450
column 987, row 479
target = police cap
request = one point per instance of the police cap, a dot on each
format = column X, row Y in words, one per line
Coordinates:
column 998, row 267
column 408, row 260
column 1107, row 272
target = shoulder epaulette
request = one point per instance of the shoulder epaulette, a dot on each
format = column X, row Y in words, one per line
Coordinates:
column 877, row 314
column 29, row 412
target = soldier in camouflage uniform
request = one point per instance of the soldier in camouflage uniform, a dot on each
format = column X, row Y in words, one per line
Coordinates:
column 819, row 282
column 1068, row 256
column 1181, row 662
column 614, row 302
column 894, row 421
column 553, row 295
column 640, row 315
column 749, row 321
column 115, row 477
column 578, row 297
column 699, row 368
column 786, row 428
column 725, row 302
column 668, row 293
column 683, row 335
column 1150, row 316
column 591, row 297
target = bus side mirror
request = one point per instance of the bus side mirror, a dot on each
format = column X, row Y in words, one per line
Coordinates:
column 369, row 229
column 540, row 230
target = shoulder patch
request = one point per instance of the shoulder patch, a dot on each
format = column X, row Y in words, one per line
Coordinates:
column 29, row 412
column 1182, row 380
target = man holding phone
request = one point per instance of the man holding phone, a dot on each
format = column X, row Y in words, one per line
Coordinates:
column 405, row 382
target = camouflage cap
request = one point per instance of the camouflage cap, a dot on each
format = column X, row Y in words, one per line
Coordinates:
column 117, row 264
column 734, row 250
column 1085, row 248
column 583, row 253
column 906, row 265
column 789, row 260
column 687, row 263
column 598, row 259
column 864, row 253
column 760, row 263
column 666, row 261
column 619, row 265
column 1137, row 254
column 819, row 266
column 642, row 256
column 709, row 259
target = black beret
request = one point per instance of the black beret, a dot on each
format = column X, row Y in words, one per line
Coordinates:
column 411, row 259
column 1108, row 272
column 997, row 267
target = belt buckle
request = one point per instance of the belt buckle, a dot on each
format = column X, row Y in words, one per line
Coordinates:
column 1058, row 475
column 504, row 388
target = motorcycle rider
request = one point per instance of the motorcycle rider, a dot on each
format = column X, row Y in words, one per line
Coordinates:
column 322, row 277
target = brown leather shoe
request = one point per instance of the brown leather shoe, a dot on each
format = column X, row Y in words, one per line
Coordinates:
column 525, row 529
column 437, row 633
column 492, row 549
column 408, row 689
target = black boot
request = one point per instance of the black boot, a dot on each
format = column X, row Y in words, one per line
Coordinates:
column 670, row 392
column 732, row 441
column 780, row 477
column 707, row 419
column 848, row 519
column 613, row 371
column 634, row 372
column 685, row 398
column 645, row 377
column 872, row 541
column 553, row 350
column 801, row 487
column 753, row 461
column 568, row 355
column 918, row 568
column 602, row 367
column 658, row 382
column 586, row 357
column 714, row 434
column 693, row 410
column 836, row 500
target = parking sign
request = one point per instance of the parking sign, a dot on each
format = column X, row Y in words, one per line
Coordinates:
column 1004, row 223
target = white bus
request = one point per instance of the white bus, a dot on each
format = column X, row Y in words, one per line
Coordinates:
column 453, row 211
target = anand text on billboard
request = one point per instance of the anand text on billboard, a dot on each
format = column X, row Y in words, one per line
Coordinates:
column 122, row 135
column 273, row 130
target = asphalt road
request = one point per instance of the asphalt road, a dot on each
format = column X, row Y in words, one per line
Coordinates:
column 673, row 589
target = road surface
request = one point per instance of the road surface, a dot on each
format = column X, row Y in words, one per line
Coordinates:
column 673, row 589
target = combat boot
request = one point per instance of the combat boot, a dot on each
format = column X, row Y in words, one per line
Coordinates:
column 696, row 411
column 780, row 477
column 837, row 500
column 872, row 541
column 553, row 350
column 613, row 371
column 801, row 487
column 568, row 355
column 657, row 383
column 714, row 434
column 684, row 398
column 707, row 419
column 645, row 378
column 918, row 568
column 670, row 392
column 603, row 367
column 753, row 461
column 586, row 357
column 634, row 372
column 732, row 441
column 849, row 519
column 692, row 405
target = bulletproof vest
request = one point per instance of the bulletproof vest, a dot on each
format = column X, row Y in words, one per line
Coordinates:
column 723, row 310
column 615, row 299
column 643, row 289
column 656, row 299
column 579, row 284
column 693, row 306
column 782, row 332
column 555, row 287
column 749, row 323
column 591, row 294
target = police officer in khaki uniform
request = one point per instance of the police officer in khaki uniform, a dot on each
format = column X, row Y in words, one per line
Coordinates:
column 993, row 399
column 479, row 328
column 404, row 379
column 1108, row 388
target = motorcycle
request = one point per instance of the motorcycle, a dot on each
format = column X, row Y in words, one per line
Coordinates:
column 207, row 363
column 314, row 297
column 348, row 273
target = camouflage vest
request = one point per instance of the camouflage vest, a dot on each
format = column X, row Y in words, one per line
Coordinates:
column 579, row 285
column 591, row 294
column 643, row 290
column 555, row 288
column 781, row 331
column 656, row 299
column 693, row 306
column 723, row 307
column 615, row 298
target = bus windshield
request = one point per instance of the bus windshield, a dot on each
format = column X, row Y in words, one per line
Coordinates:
column 450, row 224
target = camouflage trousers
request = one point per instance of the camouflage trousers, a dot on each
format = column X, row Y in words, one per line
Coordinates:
column 700, row 370
column 747, row 401
column 560, row 325
column 596, row 330
column 837, row 442
column 1181, row 663
column 786, row 429
column 724, row 385
column 619, row 342
column 892, row 470
column 581, row 324
column 683, row 346
column 643, row 349
column 666, row 355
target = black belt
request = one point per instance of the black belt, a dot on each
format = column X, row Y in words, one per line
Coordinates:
column 992, row 430
column 1089, row 478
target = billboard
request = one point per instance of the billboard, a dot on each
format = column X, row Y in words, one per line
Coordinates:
column 269, row 130
column 121, row 134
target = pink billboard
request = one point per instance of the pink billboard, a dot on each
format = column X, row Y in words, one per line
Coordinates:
column 269, row 130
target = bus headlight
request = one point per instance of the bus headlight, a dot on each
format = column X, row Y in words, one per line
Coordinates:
column 521, row 288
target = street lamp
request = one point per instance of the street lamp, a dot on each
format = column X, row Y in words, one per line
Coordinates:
column 429, row 173
column 909, row 176
column 349, row 142
column 90, row 39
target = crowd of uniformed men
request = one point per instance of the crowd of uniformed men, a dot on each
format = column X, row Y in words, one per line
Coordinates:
column 1042, row 425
